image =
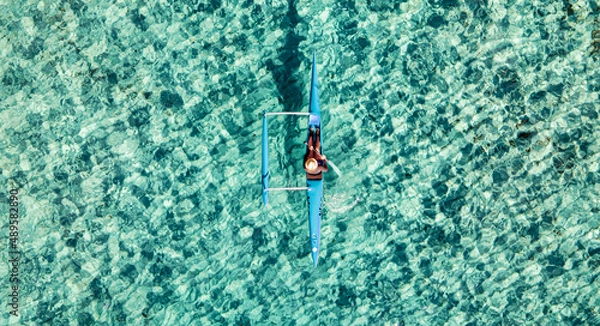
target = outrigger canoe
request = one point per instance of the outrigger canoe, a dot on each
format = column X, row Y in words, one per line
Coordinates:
column 314, row 188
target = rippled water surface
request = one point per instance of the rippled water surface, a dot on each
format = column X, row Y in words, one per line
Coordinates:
column 466, row 135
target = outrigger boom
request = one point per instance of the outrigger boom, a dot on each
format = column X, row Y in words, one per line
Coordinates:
column 287, row 189
column 286, row 113
column 314, row 187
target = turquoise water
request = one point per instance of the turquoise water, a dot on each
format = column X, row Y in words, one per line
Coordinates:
column 466, row 134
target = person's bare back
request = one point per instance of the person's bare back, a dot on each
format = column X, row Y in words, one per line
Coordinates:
column 315, row 163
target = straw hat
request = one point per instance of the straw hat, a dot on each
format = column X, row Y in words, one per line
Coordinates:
column 311, row 164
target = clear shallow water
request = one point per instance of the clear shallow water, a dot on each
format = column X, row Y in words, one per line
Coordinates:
column 467, row 136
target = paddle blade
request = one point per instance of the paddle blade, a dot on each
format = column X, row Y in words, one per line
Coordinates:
column 335, row 168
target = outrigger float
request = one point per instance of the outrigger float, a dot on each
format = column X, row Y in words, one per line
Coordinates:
column 314, row 188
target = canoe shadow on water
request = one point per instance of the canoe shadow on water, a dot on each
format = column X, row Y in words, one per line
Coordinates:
column 284, row 71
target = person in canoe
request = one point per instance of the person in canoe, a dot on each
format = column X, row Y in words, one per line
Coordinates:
column 315, row 163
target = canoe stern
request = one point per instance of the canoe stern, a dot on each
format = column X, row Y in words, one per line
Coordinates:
column 315, row 212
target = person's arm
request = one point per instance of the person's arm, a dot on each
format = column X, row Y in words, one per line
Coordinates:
column 325, row 166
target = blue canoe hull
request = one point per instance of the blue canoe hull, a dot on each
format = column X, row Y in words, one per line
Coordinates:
column 315, row 187
column 315, row 202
